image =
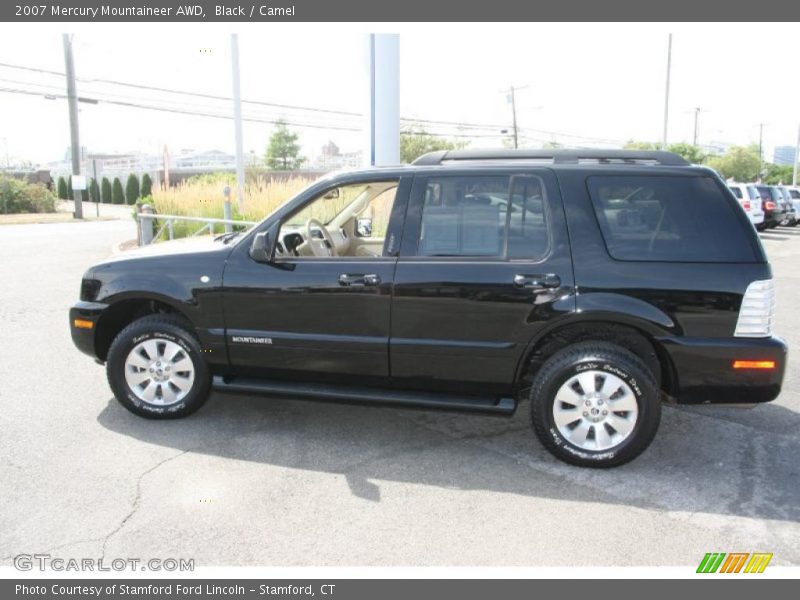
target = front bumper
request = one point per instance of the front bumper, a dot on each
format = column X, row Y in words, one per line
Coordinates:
column 705, row 374
column 86, row 313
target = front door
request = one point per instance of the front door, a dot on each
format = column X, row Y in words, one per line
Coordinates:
column 321, row 310
column 484, row 265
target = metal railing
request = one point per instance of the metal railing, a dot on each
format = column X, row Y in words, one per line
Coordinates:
column 148, row 221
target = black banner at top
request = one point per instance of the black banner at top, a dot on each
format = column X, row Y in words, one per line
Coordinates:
column 400, row 11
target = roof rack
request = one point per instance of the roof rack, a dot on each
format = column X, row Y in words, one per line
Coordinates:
column 558, row 157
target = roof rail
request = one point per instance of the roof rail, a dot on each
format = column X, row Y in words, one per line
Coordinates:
column 559, row 157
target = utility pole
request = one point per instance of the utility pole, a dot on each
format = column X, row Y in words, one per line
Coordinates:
column 72, row 98
column 237, row 120
column 760, row 149
column 796, row 157
column 696, row 119
column 666, row 93
column 513, row 101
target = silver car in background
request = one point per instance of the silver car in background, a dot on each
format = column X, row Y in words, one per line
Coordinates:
column 749, row 200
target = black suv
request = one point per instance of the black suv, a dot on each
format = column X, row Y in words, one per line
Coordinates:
column 595, row 284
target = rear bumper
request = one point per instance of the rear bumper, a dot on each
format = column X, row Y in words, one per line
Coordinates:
column 83, row 337
column 705, row 374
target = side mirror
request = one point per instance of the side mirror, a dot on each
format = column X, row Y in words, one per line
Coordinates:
column 364, row 227
column 260, row 249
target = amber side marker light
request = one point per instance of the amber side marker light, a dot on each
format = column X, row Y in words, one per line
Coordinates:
column 754, row 364
column 83, row 324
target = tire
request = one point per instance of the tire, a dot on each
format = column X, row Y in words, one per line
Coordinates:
column 177, row 387
column 638, row 392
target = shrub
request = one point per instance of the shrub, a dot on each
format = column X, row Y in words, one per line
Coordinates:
column 70, row 192
column 17, row 196
column 132, row 189
column 117, row 195
column 147, row 186
column 94, row 191
column 62, row 188
column 105, row 190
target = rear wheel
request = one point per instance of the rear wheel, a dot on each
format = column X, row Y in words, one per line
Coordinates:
column 156, row 369
column 595, row 404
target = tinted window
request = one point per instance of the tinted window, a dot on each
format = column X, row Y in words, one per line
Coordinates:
column 736, row 192
column 682, row 219
column 484, row 216
column 794, row 194
column 752, row 192
column 763, row 191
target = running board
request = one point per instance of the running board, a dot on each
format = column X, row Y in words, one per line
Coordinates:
column 344, row 393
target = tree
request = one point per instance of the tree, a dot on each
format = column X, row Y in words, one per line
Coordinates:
column 147, row 186
column 415, row 141
column 634, row 145
column 132, row 189
column 105, row 191
column 738, row 163
column 94, row 191
column 62, row 188
column 778, row 174
column 693, row 154
column 283, row 151
column 117, row 195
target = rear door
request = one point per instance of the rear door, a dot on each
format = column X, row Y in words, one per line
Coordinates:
column 484, row 266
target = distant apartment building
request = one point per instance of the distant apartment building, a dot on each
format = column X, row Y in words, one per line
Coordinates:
column 784, row 155
column 331, row 158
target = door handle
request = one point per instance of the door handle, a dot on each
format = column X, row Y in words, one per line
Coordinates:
column 537, row 282
column 359, row 279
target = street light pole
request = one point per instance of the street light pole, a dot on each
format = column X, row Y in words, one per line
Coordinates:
column 760, row 149
column 72, row 98
column 666, row 93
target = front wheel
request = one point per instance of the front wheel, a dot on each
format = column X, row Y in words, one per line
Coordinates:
column 156, row 369
column 595, row 404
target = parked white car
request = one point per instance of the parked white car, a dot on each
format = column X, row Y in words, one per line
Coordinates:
column 750, row 200
column 794, row 194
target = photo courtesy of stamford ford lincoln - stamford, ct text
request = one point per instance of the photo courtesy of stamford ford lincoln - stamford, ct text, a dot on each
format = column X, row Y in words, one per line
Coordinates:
column 350, row 300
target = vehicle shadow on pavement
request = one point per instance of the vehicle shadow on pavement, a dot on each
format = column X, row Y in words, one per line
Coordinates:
column 702, row 460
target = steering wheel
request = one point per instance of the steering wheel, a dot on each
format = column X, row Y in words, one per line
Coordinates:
column 324, row 247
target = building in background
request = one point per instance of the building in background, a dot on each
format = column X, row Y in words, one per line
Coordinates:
column 784, row 155
column 331, row 158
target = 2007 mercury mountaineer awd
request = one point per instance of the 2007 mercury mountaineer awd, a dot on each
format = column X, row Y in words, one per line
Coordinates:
column 593, row 284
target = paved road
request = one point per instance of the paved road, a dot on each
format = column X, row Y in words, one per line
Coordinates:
column 276, row 482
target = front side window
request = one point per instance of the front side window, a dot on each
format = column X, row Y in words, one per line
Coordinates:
column 345, row 221
column 484, row 216
column 668, row 218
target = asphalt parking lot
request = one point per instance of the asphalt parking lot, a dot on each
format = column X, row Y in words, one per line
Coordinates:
column 254, row 481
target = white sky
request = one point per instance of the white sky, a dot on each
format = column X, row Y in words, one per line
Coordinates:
column 601, row 81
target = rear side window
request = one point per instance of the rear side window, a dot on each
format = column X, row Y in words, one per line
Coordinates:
column 673, row 219
column 492, row 216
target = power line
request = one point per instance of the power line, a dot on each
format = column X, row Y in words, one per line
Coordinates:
column 176, row 110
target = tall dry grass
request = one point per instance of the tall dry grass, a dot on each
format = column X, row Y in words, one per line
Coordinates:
column 203, row 197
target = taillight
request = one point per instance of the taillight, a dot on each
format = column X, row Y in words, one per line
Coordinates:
column 769, row 205
column 746, row 205
column 757, row 310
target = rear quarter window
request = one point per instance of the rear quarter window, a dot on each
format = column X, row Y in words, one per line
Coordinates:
column 669, row 219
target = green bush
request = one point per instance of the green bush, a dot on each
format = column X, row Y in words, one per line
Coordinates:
column 62, row 188
column 94, row 191
column 132, row 189
column 147, row 186
column 105, row 190
column 117, row 195
column 17, row 196
column 70, row 192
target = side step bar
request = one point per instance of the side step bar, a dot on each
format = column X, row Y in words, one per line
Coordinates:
column 343, row 393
